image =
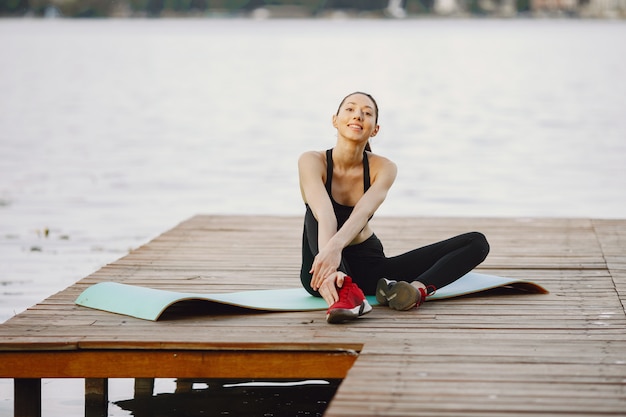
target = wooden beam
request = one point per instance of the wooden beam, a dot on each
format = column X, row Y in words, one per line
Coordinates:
column 178, row 364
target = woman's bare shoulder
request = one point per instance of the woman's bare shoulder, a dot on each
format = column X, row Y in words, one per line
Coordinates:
column 312, row 158
column 381, row 162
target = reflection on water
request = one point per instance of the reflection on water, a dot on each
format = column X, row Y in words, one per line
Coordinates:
column 212, row 398
column 186, row 398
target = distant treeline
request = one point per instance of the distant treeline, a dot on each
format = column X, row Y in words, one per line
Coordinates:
column 103, row 8
column 155, row 8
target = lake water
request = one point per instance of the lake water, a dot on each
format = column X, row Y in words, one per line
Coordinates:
column 113, row 131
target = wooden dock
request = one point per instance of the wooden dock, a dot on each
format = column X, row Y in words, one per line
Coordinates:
column 562, row 353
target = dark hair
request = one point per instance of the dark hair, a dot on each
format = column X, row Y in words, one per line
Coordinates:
column 367, row 146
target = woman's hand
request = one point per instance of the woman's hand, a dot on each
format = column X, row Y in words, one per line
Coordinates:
column 328, row 289
column 325, row 263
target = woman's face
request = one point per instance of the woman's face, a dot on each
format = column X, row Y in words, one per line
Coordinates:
column 356, row 118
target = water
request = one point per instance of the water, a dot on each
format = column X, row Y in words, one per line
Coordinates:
column 113, row 131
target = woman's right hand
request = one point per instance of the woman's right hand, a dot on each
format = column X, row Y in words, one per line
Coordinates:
column 325, row 263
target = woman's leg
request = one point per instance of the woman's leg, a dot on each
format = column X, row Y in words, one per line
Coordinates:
column 438, row 264
column 417, row 273
column 351, row 303
column 307, row 263
column 435, row 265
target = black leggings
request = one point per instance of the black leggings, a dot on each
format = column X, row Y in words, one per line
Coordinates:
column 435, row 265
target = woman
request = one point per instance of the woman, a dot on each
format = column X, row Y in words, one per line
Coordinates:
column 341, row 256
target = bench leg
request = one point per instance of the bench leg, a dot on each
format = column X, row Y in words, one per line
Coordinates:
column 27, row 397
column 96, row 397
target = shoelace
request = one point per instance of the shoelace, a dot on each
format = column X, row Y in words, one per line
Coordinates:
column 425, row 292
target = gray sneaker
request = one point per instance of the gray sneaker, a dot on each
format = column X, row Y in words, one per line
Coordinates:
column 399, row 295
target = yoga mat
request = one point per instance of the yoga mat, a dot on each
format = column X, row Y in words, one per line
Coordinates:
column 149, row 303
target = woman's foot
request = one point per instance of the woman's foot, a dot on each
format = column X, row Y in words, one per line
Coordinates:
column 400, row 295
column 351, row 304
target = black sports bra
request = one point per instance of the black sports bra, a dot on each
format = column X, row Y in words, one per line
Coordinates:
column 343, row 212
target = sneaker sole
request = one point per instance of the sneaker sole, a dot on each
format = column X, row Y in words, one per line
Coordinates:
column 341, row 315
column 403, row 296
column 382, row 291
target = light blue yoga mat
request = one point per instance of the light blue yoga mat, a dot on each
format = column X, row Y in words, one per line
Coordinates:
column 150, row 304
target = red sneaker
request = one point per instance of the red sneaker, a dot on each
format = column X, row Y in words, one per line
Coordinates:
column 351, row 304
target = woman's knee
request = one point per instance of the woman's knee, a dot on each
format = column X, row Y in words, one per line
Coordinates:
column 305, row 279
column 480, row 243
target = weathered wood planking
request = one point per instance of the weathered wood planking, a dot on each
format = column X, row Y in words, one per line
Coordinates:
column 505, row 354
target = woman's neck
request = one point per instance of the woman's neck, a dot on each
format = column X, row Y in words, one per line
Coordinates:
column 347, row 155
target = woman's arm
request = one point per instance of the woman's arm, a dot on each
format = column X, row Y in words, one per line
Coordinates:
column 312, row 168
column 367, row 205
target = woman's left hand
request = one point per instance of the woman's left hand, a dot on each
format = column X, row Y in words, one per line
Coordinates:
column 328, row 289
column 325, row 264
